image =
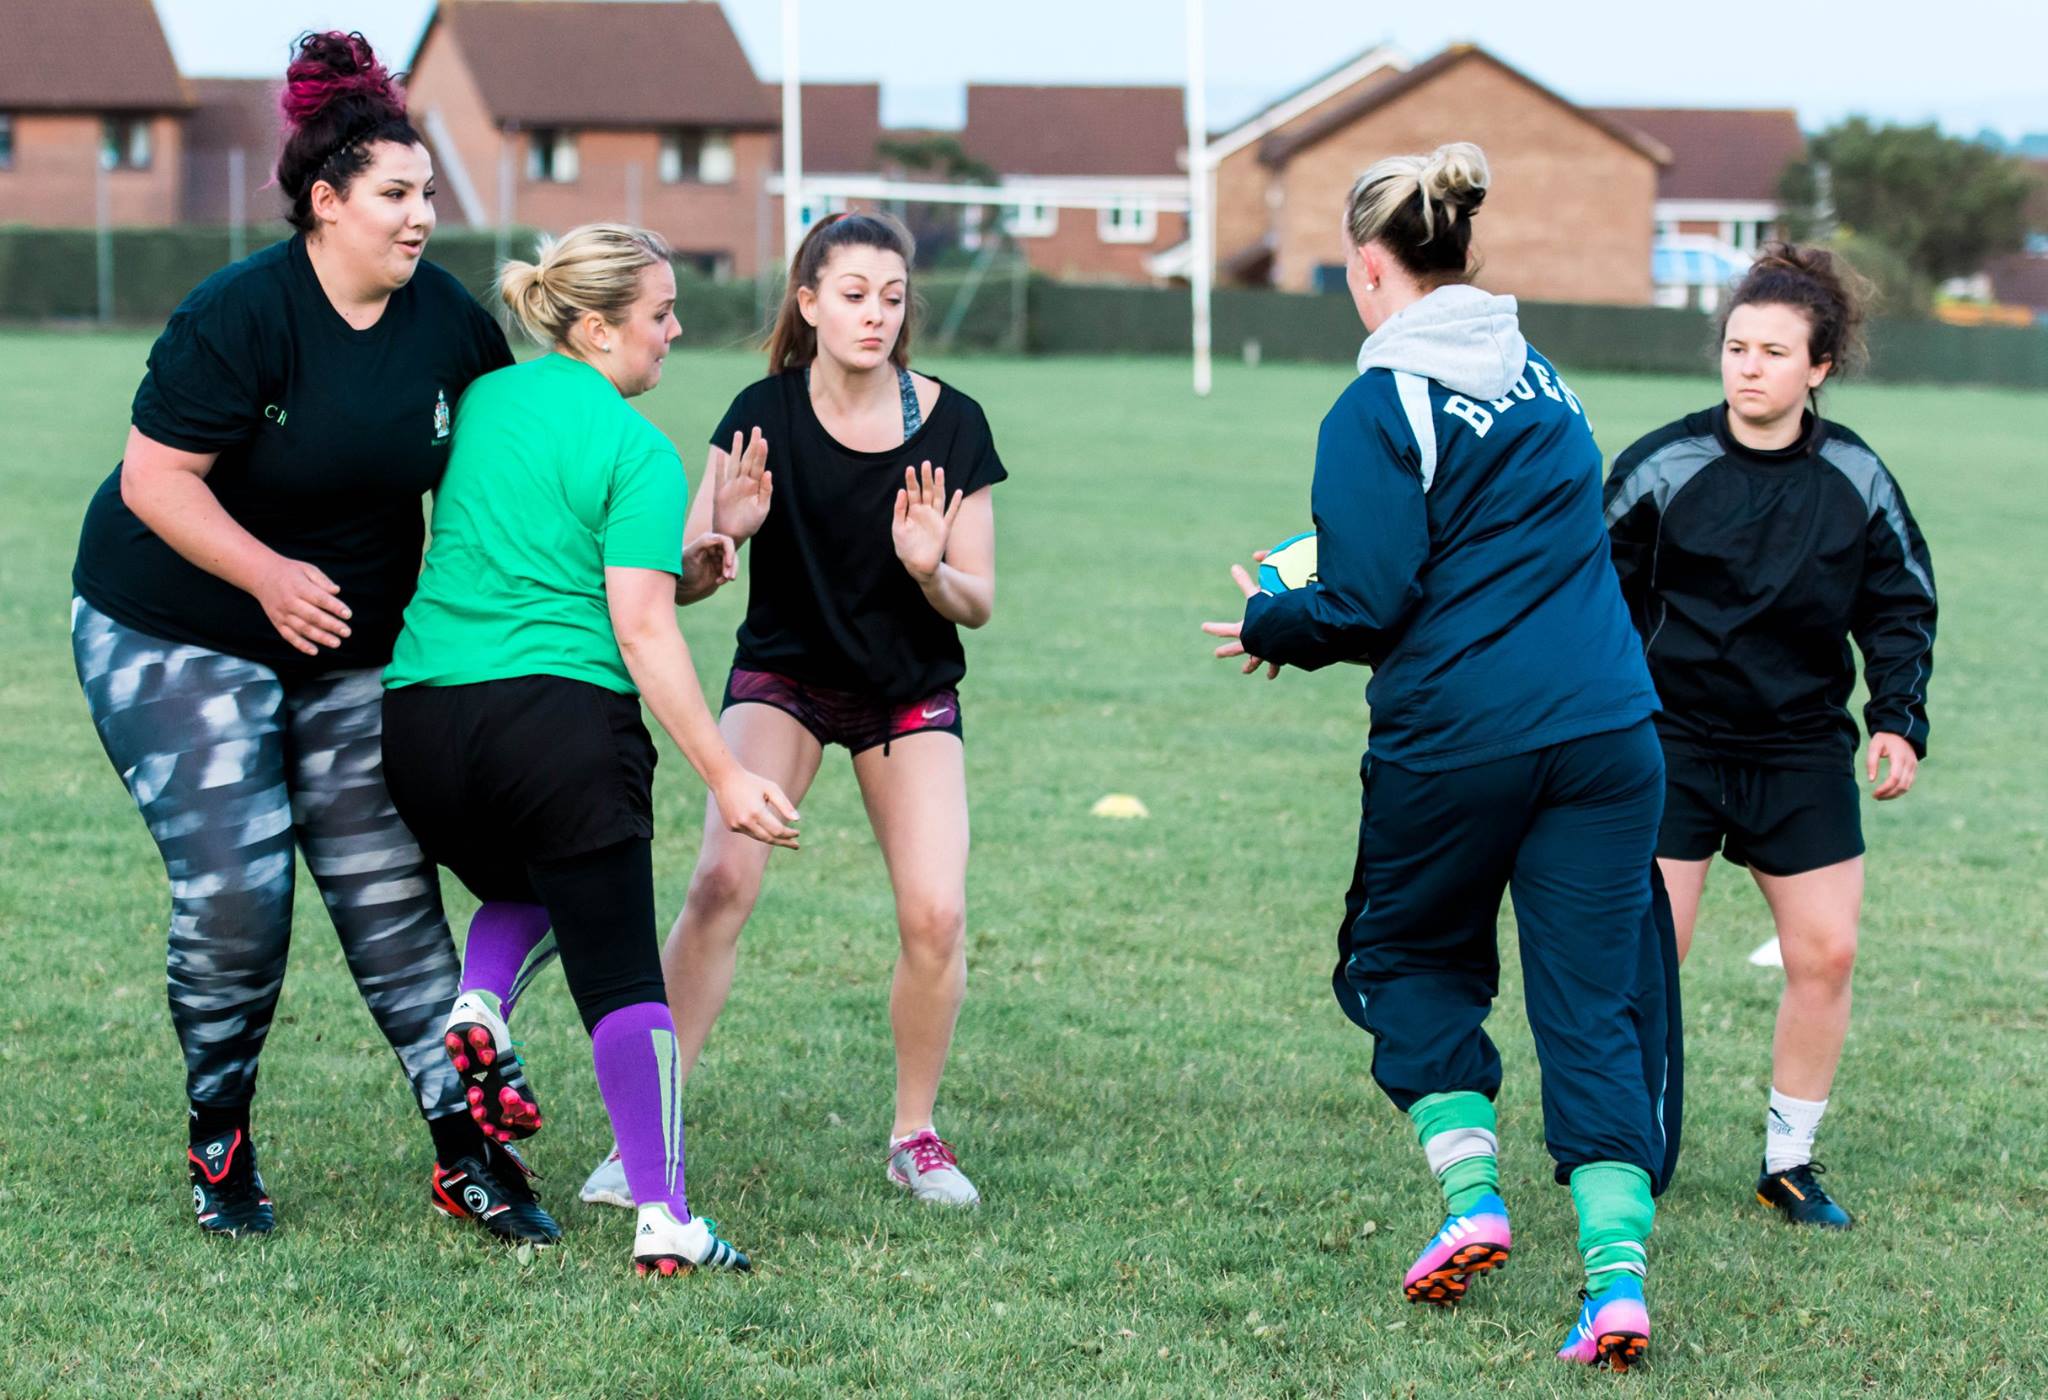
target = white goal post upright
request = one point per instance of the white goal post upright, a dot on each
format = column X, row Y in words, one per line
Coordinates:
column 1195, row 203
column 1200, row 229
column 792, row 135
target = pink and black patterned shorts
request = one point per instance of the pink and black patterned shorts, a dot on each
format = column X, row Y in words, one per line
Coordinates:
column 857, row 722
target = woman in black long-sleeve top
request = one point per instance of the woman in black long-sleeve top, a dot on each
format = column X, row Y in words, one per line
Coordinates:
column 1755, row 540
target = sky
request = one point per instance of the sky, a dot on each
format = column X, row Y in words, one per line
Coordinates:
column 1982, row 64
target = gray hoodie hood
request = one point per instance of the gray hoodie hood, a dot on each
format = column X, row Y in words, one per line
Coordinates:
column 1466, row 340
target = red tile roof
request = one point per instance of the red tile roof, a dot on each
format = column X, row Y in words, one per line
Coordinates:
column 1718, row 153
column 1080, row 131
column 842, row 125
column 1278, row 149
column 86, row 55
column 608, row 63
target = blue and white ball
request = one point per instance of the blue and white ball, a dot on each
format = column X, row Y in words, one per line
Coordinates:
column 1289, row 564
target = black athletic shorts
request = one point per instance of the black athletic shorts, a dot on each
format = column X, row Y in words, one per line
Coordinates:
column 1782, row 821
column 498, row 774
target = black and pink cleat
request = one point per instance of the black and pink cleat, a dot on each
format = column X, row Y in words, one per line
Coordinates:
column 494, row 1082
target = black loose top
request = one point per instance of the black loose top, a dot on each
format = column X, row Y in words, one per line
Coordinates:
column 327, row 437
column 828, row 601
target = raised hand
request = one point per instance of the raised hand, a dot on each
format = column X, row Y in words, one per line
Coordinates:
column 923, row 520
column 739, row 504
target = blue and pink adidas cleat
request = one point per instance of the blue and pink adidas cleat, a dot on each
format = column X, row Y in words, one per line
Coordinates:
column 1613, row 1330
column 1472, row 1243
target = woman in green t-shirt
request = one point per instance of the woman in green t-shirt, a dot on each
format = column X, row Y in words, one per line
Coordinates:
column 513, row 740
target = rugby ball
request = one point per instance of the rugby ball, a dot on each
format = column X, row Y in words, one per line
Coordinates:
column 1289, row 564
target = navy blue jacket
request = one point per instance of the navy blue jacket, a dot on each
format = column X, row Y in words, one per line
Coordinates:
column 1461, row 549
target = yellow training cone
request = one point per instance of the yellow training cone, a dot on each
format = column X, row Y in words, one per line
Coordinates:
column 1121, row 806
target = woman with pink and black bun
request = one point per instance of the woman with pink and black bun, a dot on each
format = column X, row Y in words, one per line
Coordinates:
column 239, row 584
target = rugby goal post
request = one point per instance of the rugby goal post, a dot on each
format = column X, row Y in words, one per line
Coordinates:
column 1195, row 200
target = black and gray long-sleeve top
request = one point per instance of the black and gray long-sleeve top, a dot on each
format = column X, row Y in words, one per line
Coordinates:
column 1747, row 573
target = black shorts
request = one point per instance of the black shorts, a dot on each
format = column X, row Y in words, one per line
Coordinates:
column 1782, row 821
column 498, row 774
column 857, row 722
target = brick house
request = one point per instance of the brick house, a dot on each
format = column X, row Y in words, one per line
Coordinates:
column 1569, row 217
column 2021, row 279
column 1247, row 191
column 557, row 112
column 88, row 88
column 1722, row 181
column 1125, row 143
column 233, row 120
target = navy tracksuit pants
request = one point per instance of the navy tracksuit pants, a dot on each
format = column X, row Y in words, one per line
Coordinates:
column 1571, row 832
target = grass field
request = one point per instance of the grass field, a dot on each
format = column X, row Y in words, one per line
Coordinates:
column 1192, row 1184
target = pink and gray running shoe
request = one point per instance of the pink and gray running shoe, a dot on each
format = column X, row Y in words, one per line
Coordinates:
column 1472, row 1243
column 924, row 1165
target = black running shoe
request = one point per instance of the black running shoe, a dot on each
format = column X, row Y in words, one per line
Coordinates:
column 492, row 1190
column 1800, row 1199
column 227, row 1192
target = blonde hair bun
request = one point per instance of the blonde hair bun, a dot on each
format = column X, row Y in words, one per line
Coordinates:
column 592, row 268
column 1455, row 174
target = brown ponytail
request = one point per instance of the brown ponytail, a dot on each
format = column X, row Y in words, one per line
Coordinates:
column 793, row 343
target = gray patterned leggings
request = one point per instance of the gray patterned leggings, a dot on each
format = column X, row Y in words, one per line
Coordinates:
column 232, row 770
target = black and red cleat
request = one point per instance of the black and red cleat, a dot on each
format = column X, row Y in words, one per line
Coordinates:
column 227, row 1191
column 493, row 1081
column 492, row 1190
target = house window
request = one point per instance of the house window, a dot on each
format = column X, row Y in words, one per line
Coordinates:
column 1746, row 234
column 1128, row 221
column 6, row 141
column 697, row 157
column 124, row 143
column 818, row 206
column 1032, row 220
column 551, row 155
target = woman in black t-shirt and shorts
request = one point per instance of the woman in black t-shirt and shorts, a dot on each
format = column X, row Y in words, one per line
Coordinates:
column 240, row 580
column 879, row 546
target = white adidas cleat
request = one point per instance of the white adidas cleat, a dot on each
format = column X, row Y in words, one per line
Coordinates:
column 924, row 1165
column 662, row 1246
column 479, row 1046
column 607, row 1186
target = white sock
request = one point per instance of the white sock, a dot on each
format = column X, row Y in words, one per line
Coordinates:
column 1789, row 1129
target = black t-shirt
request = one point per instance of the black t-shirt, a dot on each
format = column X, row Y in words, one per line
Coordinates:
column 327, row 437
column 828, row 602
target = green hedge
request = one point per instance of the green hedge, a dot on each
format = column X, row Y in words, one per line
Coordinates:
column 1068, row 318
column 51, row 274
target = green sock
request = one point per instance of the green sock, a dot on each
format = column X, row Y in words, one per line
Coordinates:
column 1615, row 1216
column 1456, row 1131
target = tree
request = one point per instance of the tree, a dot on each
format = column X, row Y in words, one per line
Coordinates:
column 941, row 158
column 1945, row 206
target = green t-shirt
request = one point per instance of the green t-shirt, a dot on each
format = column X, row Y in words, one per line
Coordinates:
column 553, row 478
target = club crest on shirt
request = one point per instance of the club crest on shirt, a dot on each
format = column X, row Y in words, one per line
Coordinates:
column 441, row 416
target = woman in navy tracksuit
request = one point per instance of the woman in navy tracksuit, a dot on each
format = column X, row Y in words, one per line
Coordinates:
column 1462, row 554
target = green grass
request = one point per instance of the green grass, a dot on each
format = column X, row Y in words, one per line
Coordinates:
column 1192, row 1184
